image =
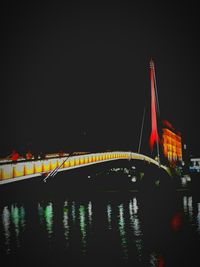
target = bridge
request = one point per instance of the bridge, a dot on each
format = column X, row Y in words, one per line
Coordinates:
column 12, row 171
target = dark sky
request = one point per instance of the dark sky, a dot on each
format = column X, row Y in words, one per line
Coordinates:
column 76, row 76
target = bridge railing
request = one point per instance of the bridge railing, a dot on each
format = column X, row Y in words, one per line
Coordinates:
column 27, row 169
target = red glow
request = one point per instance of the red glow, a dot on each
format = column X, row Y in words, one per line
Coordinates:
column 161, row 262
column 154, row 133
column 176, row 221
column 168, row 124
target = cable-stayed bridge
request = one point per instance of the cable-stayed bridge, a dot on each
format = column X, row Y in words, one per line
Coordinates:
column 12, row 171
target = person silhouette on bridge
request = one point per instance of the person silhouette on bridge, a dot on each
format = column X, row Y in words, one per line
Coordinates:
column 29, row 155
column 14, row 156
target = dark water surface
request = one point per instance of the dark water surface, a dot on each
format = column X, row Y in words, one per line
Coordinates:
column 42, row 226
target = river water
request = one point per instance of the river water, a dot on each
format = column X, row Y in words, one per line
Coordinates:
column 103, row 228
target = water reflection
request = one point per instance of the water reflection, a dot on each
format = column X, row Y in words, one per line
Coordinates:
column 185, row 207
column 135, row 225
column 73, row 211
column 121, row 226
column 156, row 260
column 90, row 212
column 45, row 215
column 22, row 218
column 13, row 219
column 109, row 216
column 66, row 222
column 82, row 227
column 6, row 225
column 40, row 213
column 128, row 227
column 48, row 213
column 188, row 207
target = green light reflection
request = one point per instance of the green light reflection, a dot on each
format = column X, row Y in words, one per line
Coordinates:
column 22, row 217
column 121, row 225
column 15, row 219
column 18, row 220
column 48, row 217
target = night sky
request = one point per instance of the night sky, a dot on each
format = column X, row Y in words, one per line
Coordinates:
column 75, row 77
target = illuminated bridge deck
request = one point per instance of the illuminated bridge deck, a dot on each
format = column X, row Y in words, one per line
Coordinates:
column 12, row 172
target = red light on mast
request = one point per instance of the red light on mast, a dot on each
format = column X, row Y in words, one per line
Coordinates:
column 154, row 138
